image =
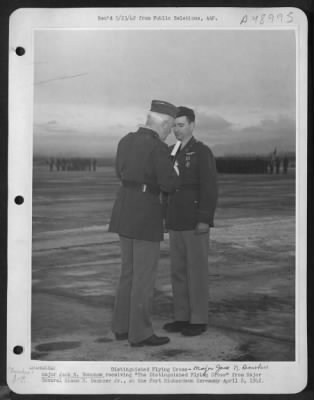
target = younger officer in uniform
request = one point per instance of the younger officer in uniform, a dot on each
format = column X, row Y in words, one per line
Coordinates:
column 190, row 214
column 144, row 169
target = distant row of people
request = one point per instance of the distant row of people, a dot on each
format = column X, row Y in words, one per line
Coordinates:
column 72, row 164
column 238, row 165
column 275, row 165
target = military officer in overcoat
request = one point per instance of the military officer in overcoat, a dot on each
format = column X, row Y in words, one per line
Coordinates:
column 144, row 169
column 189, row 216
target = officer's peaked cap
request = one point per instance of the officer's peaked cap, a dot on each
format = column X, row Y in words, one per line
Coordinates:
column 163, row 107
column 186, row 112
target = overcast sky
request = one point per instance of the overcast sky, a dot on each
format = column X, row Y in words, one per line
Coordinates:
column 92, row 87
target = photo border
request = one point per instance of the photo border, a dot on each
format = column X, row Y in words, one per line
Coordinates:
column 19, row 229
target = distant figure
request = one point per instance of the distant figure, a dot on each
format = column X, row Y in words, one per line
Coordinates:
column 285, row 165
column 51, row 163
column 271, row 166
column 265, row 166
column 272, row 162
column 58, row 164
column 94, row 164
column 63, row 164
column 277, row 163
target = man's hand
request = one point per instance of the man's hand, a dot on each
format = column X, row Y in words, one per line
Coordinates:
column 201, row 228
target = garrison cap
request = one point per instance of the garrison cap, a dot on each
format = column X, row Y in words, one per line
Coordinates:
column 186, row 112
column 162, row 107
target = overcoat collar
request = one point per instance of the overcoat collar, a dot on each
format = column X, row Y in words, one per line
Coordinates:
column 147, row 129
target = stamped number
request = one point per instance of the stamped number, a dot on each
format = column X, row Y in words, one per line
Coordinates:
column 268, row 18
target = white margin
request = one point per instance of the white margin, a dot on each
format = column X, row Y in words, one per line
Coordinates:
column 23, row 375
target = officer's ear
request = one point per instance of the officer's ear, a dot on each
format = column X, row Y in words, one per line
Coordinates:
column 167, row 124
column 164, row 125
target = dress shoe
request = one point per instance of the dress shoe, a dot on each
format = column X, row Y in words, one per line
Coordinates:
column 175, row 326
column 194, row 329
column 152, row 341
column 121, row 336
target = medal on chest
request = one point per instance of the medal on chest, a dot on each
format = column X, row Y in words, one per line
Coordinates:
column 188, row 159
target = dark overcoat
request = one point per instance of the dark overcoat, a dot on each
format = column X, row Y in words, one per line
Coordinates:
column 196, row 198
column 142, row 158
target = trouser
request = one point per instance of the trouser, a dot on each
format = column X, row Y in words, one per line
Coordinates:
column 189, row 276
column 134, row 297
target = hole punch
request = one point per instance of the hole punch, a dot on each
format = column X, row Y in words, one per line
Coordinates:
column 18, row 350
column 20, row 51
column 19, row 200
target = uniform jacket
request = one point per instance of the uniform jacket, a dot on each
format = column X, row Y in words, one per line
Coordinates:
column 143, row 158
column 196, row 198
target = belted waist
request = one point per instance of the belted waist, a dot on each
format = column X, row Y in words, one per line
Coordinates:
column 141, row 187
column 188, row 186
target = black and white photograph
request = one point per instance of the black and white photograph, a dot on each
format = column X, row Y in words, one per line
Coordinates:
column 164, row 194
